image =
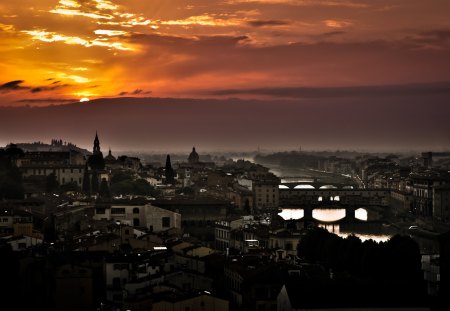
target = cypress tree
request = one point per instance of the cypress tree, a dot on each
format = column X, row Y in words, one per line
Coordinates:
column 86, row 187
column 94, row 182
column 169, row 173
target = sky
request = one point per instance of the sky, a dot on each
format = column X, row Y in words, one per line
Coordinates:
column 59, row 52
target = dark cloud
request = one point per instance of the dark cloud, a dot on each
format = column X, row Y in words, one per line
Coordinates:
column 342, row 92
column 53, row 87
column 437, row 38
column 135, row 92
column 36, row 90
column 13, row 85
column 47, row 100
column 263, row 23
column 56, row 82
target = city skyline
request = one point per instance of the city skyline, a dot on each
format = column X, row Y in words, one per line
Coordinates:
column 358, row 75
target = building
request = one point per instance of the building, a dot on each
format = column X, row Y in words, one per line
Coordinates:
column 422, row 188
column 67, row 166
column 265, row 192
column 154, row 218
column 441, row 203
column 203, row 301
column 223, row 230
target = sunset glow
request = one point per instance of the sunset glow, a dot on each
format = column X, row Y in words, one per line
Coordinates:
column 56, row 52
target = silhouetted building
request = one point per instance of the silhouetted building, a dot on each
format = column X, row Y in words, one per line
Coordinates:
column 193, row 157
column 96, row 161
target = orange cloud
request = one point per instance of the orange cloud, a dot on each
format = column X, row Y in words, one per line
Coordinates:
column 332, row 23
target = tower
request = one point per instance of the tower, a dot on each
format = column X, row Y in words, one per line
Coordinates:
column 96, row 149
column 96, row 161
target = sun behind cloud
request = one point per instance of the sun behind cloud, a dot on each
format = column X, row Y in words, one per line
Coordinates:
column 84, row 99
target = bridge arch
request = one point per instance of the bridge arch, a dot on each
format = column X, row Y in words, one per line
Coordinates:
column 328, row 187
column 302, row 186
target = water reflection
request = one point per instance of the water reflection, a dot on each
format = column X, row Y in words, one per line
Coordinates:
column 289, row 213
column 335, row 228
column 328, row 215
column 323, row 214
column 361, row 214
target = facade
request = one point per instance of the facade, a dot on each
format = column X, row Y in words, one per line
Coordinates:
column 67, row 166
column 284, row 242
column 441, row 203
column 266, row 193
column 153, row 218
column 223, row 230
column 130, row 278
column 422, row 188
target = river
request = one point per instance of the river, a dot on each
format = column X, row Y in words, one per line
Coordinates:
column 427, row 245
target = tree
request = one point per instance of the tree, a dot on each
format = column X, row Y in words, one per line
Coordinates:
column 11, row 184
column 86, row 187
column 51, row 183
column 104, row 189
column 169, row 172
column 94, row 182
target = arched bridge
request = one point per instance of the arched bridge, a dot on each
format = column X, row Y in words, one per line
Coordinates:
column 317, row 184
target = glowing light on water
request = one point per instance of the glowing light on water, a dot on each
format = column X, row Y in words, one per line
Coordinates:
column 328, row 215
column 361, row 214
column 377, row 238
column 291, row 213
column 328, row 187
column 304, row 187
column 335, row 228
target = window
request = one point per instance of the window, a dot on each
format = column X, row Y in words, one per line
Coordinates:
column 117, row 210
column 166, row 222
column 100, row 210
column 136, row 210
column 136, row 222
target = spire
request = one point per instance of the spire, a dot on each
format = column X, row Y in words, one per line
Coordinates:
column 96, row 144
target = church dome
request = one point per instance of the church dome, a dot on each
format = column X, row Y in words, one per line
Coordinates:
column 110, row 158
column 193, row 157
